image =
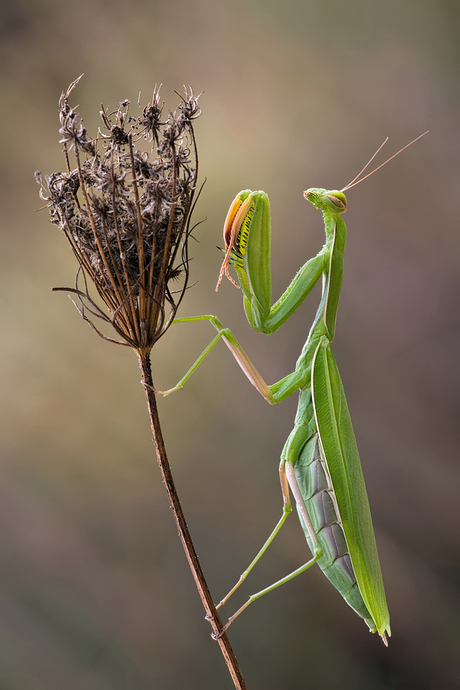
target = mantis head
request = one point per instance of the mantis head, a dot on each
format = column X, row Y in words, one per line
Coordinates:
column 327, row 201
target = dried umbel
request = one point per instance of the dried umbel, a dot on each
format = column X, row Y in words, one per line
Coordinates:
column 126, row 213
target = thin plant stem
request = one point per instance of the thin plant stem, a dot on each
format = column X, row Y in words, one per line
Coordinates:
column 203, row 590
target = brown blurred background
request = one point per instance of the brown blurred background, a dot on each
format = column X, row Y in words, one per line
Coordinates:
column 95, row 593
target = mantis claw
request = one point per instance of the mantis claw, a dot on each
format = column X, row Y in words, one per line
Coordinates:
column 171, row 390
column 157, row 392
column 147, row 385
column 217, row 636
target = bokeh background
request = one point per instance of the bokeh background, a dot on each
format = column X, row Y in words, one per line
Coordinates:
column 95, row 592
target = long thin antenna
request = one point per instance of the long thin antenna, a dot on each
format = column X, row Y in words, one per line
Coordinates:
column 367, row 165
column 356, row 181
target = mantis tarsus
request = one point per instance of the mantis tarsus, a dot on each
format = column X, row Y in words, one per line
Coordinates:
column 319, row 462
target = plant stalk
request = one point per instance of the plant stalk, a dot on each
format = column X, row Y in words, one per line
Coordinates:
column 203, row 590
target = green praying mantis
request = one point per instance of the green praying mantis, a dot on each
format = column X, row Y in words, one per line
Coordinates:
column 320, row 463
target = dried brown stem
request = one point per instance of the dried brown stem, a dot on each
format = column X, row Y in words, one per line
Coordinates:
column 127, row 215
column 195, row 567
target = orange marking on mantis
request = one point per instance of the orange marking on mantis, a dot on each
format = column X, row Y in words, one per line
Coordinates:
column 232, row 227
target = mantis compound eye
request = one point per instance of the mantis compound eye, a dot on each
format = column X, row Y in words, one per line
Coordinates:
column 338, row 199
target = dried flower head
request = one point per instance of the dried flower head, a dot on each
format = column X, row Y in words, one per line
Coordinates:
column 126, row 213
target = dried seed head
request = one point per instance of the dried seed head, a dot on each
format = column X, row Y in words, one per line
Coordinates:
column 126, row 212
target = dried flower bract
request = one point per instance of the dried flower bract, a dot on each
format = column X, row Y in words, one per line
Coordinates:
column 126, row 213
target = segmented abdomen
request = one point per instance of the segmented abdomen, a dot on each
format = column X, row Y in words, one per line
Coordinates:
column 316, row 488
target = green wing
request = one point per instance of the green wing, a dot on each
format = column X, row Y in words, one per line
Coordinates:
column 341, row 453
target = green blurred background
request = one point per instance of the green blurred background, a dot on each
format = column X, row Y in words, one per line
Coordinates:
column 95, row 592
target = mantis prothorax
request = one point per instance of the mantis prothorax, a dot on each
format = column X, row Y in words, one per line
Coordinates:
column 320, row 462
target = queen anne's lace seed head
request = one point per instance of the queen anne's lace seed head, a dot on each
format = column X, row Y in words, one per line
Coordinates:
column 126, row 213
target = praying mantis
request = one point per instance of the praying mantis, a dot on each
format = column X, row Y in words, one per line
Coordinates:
column 320, row 463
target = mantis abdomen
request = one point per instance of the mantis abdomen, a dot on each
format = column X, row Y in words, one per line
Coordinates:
column 321, row 504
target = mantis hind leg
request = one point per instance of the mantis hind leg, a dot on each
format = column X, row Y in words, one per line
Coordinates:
column 287, row 508
column 300, row 435
column 293, row 445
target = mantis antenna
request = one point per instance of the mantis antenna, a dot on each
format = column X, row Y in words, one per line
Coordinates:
column 367, row 164
column 356, row 179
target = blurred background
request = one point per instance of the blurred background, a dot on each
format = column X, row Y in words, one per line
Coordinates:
column 95, row 592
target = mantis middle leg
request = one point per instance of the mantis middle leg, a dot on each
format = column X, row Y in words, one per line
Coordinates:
column 272, row 393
